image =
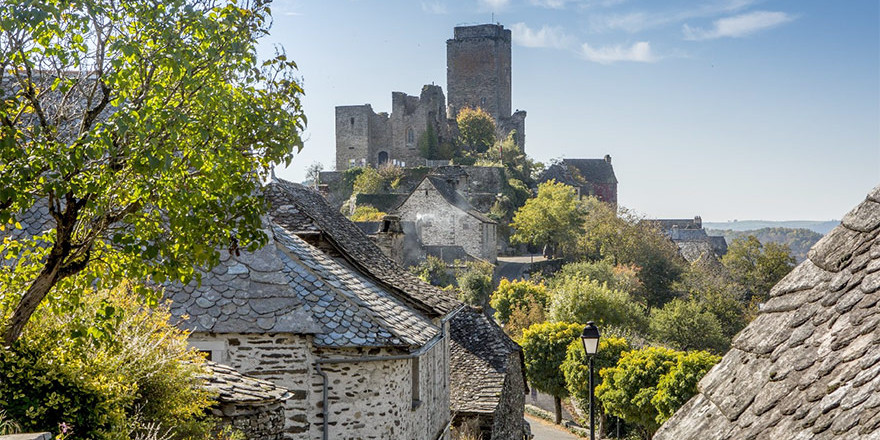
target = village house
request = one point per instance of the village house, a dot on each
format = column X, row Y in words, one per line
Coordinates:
column 808, row 367
column 590, row 177
column 690, row 237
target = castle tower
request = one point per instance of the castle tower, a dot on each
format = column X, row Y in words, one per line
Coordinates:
column 478, row 70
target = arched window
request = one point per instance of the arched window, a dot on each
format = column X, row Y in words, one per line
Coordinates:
column 410, row 137
column 383, row 157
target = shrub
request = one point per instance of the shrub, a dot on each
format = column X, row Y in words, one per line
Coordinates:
column 367, row 213
column 433, row 271
column 582, row 300
column 511, row 295
column 475, row 282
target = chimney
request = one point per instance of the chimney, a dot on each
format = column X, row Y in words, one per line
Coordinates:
column 391, row 224
column 698, row 221
column 608, row 158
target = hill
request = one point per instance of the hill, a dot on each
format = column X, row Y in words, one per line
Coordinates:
column 822, row 227
column 799, row 240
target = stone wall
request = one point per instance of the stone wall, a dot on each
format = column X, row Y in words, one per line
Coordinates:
column 440, row 224
column 367, row 400
column 255, row 422
column 415, row 113
column 478, row 70
column 508, row 422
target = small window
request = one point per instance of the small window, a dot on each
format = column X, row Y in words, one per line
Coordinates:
column 483, row 101
column 410, row 137
column 352, row 121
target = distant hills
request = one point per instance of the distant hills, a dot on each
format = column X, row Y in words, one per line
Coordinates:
column 822, row 227
column 799, row 240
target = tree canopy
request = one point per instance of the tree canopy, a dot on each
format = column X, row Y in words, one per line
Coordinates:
column 476, row 129
column 544, row 347
column 144, row 130
column 756, row 266
column 552, row 218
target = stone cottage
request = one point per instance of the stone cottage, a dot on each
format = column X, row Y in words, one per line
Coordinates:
column 690, row 237
column 361, row 357
column 590, row 177
column 442, row 216
column 489, row 377
column 808, row 367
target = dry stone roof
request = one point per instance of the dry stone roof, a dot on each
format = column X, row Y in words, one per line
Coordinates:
column 479, row 356
column 230, row 386
column 808, row 367
column 301, row 211
column 290, row 286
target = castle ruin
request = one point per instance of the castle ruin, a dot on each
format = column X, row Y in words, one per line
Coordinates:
column 478, row 75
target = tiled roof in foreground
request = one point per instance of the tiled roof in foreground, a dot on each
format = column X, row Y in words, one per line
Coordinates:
column 808, row 367
column 230, row 386
column 479, row 353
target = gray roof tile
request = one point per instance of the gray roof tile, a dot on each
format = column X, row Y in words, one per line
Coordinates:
column 809, row 365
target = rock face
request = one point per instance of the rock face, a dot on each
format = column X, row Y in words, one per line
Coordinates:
column 808, row 367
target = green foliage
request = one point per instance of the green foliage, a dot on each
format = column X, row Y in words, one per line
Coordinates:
column 367, row 213
column 627, row 389
column 619, row 277
column 128, row 118
column 475, row 282
column 476, row 129
column 552, row 218
column 433, row 271
column 513, row 295
column 680, row 384
column 574, row 299
column 798, row 240
column 756, row 266
column 544, row 349
column 66, row 370
column 687, row 325
column 431, row 148
column 709, row 283
column 625, row 239
column 368, row 181
column 392, row 174
column 647, row 385
column 576, row 367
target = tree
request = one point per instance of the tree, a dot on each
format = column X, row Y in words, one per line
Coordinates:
column 367, row 213
column 517, row 294
column 313, row 174
column 433, row 271
column 627, row 389
column 476, row 129
column 544, row 347
column 625, row 239
column 576, row 299
column 680, row 384
column 576, row 369
column 552, row 218
column 475, row 282
column 687, row 325
column 757, row 267
column 620, row 277
column 369, row 181
column 144, row 131
column 647, row 385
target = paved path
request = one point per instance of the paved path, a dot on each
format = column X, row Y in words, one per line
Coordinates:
column 544, row 430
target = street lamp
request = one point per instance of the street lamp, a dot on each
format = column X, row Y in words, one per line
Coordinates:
column 590, row 339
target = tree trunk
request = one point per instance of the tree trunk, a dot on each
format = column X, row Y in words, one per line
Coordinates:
column 30, row 301
column 557, row 404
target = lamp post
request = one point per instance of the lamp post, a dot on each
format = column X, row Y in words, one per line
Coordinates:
column 590, row 339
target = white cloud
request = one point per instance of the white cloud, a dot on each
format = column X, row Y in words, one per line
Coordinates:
column 639, row 52
column 547, row 36
column 494, row 5
column 583, row 4
column 738, row 26
column 634, row 22
column 436, row 8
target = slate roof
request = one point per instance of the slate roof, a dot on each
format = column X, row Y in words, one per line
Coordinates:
column 447, row 190
column 808, row 367
column 290, row 286
column 593, row 170
column 299, row 210
column 230, row 386
column 479, row 353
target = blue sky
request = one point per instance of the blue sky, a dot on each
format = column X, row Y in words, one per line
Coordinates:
column 728, row 109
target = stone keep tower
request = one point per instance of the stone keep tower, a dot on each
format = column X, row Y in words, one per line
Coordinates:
column 478, row 70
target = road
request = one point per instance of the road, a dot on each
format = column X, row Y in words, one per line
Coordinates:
column 544, row 430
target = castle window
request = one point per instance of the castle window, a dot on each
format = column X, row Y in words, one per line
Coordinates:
column 352, row 121
column 383, row 158
column 410, row 137
column 483, row 101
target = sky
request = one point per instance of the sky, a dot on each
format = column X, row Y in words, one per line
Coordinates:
column 727, row 109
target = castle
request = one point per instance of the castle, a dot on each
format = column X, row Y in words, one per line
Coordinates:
column 477, row 76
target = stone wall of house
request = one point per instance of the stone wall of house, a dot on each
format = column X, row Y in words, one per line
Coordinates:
column 283, row 359
column 440, row 224
column 264, row 422
column 367, row 400
column 508, row 423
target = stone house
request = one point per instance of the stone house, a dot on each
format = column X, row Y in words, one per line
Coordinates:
column 590, row 177
column 690, row 237
column 361, row 356
column 808, row 367
column 489, row 376
column 442, row 216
